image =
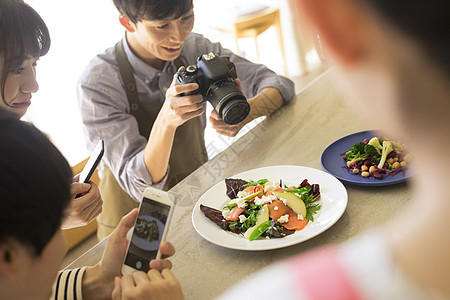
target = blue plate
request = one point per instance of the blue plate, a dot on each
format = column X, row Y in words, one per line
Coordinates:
column 333, row 163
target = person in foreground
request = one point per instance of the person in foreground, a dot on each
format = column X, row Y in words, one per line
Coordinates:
column 24, row 38
column 35, row 184
column 156, row 132
column 396, row 68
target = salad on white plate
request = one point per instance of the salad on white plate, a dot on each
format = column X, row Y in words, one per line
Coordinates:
column 265, row 209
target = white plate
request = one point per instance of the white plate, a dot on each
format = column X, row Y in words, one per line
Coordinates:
column 333, row 201
column 143, row 243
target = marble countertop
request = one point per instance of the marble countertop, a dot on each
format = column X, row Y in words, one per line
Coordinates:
column 296, row 134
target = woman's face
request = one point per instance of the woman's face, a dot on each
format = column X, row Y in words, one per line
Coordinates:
column 19, row 86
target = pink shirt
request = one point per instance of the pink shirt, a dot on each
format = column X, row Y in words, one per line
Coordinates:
column 359, row 269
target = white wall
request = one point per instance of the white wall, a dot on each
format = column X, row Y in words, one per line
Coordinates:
column 79, row 30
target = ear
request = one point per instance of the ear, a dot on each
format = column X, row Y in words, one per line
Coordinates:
column 7, row 258
column 340, row 25
column 129, row 26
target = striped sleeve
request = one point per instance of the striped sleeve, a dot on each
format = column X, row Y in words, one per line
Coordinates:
column 68, row 285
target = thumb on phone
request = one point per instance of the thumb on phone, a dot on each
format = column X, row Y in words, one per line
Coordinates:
column 79, row 188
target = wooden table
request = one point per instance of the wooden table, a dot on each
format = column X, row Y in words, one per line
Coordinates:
column 295, row 135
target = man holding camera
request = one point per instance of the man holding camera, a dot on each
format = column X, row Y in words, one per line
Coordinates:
column 154, row 128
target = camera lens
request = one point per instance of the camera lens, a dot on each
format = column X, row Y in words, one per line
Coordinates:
column 228, row 101
column 235, row 111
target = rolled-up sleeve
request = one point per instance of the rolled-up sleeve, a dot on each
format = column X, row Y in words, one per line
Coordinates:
column 254, row 77
column 106, row 115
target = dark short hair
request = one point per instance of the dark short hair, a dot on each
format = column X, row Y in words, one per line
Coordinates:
column 22, row 33
column 35, row 184
column 139, row 10
column 427, row 22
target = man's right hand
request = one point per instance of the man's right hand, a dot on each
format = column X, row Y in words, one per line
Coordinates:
column 175, row 111
column 178, row 109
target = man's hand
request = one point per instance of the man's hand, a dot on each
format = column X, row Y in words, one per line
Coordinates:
column 153, row 285
column 178, row 109
column 175, row 111
column 223, row 128
column 117, row 246
column 98, row 281
column 266, row 102
column 84, row 209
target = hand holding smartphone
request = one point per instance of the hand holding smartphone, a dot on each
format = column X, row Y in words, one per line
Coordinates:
column 92, row 164
column 150, row 229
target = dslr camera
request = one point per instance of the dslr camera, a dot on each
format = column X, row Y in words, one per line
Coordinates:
column 215, row 76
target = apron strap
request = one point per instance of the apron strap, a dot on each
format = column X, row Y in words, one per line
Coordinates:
column 126, row 72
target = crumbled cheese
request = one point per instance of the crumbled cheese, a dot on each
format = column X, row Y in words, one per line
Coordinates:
column 225, row 213
column 275, row 208
column 240, row 202
column 284, row 219
column 242, row 194
column 242, row 218
column 271, row 186
column 300, row 217
column 265, row 199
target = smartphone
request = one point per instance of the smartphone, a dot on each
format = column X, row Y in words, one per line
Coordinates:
column 150, row 228
column 92, row 163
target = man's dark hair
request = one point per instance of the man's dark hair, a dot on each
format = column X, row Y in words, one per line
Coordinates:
column 35, row 184
column 139, row 10
column 22, row 33
column 428, row 22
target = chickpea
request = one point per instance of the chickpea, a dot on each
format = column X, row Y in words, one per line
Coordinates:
column 372, row 168
column 365, row 174
column 355, row 171
column 395, row 159
column 390, row 161
column 396, row 165
column 403, row 163
column 351, row 163
column 364, row 168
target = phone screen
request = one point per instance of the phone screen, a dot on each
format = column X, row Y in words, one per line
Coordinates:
column 147, row 234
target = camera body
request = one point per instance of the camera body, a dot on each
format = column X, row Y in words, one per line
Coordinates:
column 215, row 76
